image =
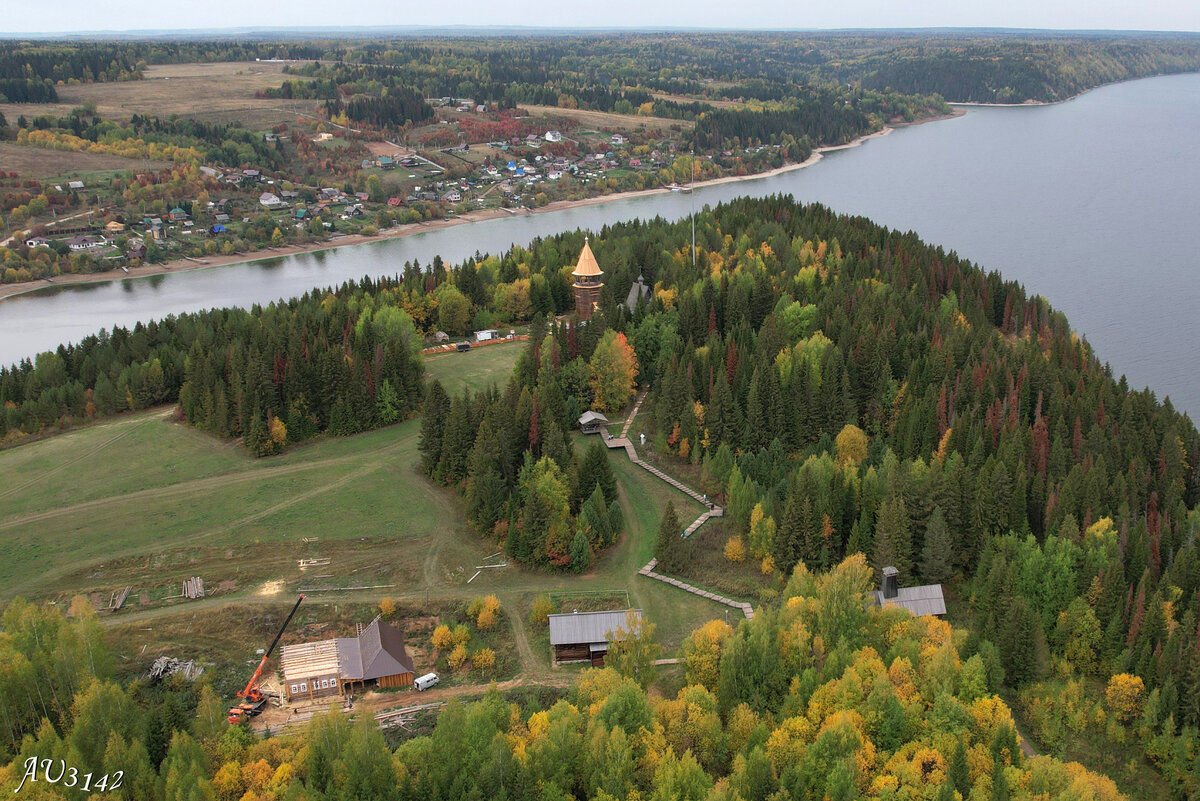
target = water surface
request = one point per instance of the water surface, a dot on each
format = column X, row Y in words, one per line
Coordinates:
column 1092, row 203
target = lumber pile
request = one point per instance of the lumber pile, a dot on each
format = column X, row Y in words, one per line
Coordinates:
column 193, row 588
column 168, row 665
column 118, row 599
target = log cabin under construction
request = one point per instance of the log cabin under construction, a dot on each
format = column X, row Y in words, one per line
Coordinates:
column 333, row 668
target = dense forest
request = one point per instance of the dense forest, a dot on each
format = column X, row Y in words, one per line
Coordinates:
column 819, row 697
column 843, row 389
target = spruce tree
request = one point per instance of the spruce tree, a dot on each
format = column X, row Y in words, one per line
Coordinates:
column 937, row 556
column 581, row 553
column 959, row 773
column 433, row 426
column 595, row 471
column 668, row 548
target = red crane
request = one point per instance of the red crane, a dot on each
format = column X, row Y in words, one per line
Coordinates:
column 253, row 695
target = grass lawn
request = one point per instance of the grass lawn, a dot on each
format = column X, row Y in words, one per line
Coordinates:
column 146, row 502
column 478, row 368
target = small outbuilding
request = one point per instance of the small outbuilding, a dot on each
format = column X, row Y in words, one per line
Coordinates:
column 592, row 422
column 583, row 636
column 926, row 599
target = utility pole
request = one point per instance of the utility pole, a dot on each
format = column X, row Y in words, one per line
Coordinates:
column 692, row 168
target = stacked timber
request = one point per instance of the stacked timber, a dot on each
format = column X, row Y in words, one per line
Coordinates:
column 193, row 588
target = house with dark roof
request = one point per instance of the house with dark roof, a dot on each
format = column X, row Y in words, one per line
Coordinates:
column 926, row 599
column 332, row 668
column 583, row 636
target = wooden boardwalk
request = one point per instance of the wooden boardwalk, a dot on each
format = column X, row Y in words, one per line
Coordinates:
column 648, row 571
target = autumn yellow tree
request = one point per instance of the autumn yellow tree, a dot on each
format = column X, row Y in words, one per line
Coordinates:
column 702, row 653
column 851, row 445
column 442, row 637
column 614, row 372
column 1124, row 696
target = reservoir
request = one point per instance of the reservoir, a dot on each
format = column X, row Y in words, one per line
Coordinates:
column 1093, row 203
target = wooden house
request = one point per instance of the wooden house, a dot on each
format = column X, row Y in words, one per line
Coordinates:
column 331, row 668
column 583, row 636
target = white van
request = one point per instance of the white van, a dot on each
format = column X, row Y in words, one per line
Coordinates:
column 426, row 681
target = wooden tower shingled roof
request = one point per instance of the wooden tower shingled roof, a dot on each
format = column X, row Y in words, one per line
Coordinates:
column 587, row 265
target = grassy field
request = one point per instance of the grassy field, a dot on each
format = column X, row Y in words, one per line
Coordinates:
column 477, row 368
column 37, row 162
column 610, row 121
column 220, row 92
column 146, row 502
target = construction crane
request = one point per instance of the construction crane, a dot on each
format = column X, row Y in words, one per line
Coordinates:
column 254, row 697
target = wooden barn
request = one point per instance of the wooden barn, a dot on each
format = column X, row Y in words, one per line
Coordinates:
column 583, row 636
column 331, row 668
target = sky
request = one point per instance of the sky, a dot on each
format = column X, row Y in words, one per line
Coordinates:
column 67, row 16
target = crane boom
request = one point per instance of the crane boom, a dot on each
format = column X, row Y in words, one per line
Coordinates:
column 258, row 673
column 251, row 692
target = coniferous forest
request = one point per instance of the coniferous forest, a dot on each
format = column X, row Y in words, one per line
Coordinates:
column 853, row 396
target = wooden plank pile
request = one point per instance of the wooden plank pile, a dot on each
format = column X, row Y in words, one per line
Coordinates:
column 403, row 717
column 168, row 665
column 118, row 599
column 193, row 588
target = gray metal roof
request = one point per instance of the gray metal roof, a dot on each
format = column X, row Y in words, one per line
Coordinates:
column 587, row 627
column 588, row 417
column 924, row 600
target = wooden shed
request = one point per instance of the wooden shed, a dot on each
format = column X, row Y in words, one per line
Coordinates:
column 329, row 668
column 583, row 636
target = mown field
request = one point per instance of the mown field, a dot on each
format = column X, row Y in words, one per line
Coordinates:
column 219, row 92
column 478, row 368
column 146, row 502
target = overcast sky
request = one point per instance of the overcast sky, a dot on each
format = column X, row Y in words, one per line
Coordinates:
column 88, row 15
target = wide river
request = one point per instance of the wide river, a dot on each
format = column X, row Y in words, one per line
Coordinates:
column 1093, row 203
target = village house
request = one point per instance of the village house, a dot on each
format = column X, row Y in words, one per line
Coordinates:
column 86, row 242
column 177, row 215
column 270, row 200
column 334, row 667
column 554, row 136
column 37, row 242
column 618, row 139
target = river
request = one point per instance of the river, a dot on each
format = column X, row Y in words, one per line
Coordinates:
column 1092, row 203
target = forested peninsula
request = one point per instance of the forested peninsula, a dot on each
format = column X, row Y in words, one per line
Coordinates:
column 854, row 397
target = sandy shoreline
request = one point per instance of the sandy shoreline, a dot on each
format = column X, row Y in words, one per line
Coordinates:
column 188, row 264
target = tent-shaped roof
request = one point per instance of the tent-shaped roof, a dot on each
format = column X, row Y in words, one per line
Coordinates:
column 587, row 265
column 592, row 417
column 589, row 627
column 639, row 291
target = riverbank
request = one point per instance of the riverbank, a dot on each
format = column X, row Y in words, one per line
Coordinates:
column 189, row 264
